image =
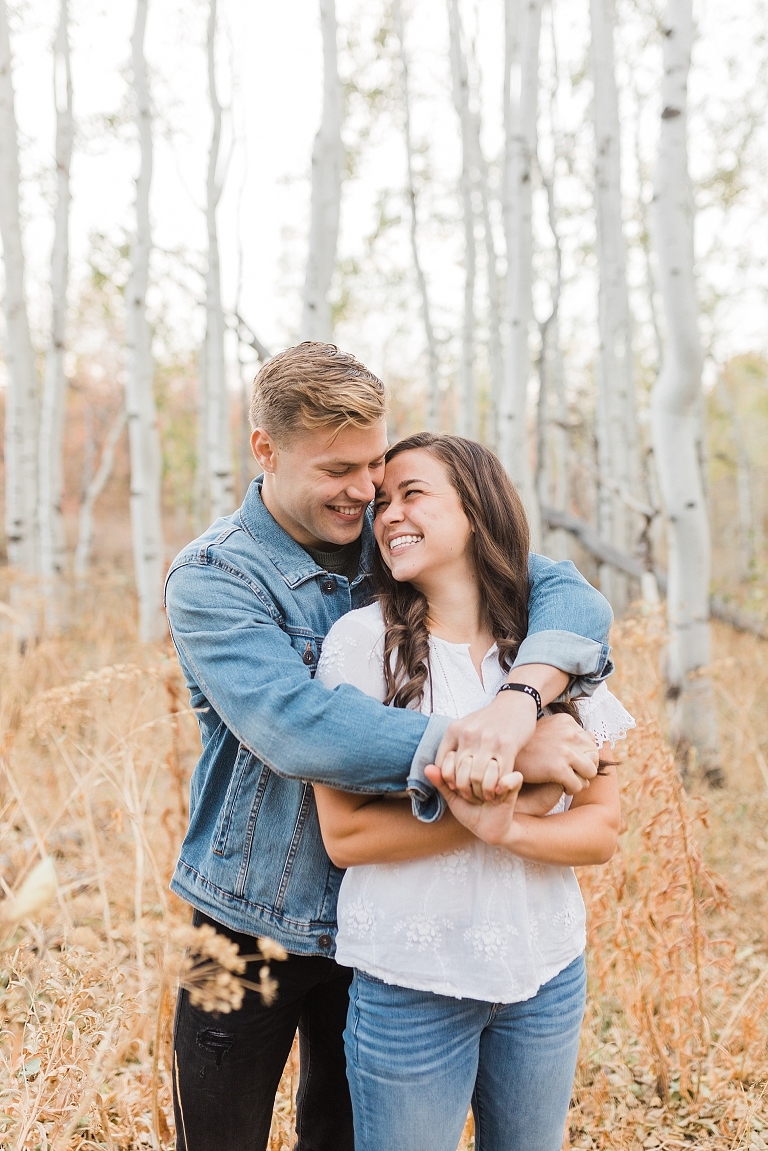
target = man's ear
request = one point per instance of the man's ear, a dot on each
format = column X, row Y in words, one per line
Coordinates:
column 264, row 449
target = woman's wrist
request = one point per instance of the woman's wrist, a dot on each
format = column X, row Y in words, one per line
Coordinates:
column 515, row 835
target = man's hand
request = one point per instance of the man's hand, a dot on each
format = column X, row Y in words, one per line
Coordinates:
column 561, row 752
column 479, row 749
column 492, row 821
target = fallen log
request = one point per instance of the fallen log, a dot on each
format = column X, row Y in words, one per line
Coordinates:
column 606, row 553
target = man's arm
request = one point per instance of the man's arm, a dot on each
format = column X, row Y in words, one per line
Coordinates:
column 361, row 829
column 245, row 665
column 568, row 623
column 568, row 626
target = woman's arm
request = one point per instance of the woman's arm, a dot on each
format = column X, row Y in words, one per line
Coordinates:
column 585, row 834
column 359, row 829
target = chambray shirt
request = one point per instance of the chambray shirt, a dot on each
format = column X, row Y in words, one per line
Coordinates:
column 248, row 610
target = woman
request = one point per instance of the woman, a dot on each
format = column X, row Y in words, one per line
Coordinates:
column 469, row 972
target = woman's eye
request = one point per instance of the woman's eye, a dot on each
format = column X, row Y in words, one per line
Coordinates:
column 378, row 507
column 413, row 492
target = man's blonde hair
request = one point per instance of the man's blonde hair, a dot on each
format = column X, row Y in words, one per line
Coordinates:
column 315, row 386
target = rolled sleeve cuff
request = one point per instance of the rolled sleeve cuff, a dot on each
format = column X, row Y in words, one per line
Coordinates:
column 428, row 804
column 587, row 661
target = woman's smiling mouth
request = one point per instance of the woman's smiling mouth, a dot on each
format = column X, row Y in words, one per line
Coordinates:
column 401, row 542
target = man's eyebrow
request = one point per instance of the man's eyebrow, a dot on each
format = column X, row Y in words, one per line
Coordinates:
column 350, row 463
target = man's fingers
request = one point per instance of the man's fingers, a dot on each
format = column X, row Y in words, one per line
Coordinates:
column 490, row 780
column 448, row 769
column 464, row 778
column 449, row 742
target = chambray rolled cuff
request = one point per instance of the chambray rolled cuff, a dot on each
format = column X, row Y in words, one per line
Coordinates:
column 588, row 661
column 427, row 803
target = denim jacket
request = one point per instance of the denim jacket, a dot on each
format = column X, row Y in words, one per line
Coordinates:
column 248, row 610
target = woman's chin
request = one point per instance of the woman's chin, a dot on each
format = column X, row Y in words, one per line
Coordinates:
column 405, row 572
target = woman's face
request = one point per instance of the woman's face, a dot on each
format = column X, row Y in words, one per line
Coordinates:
column 419, row 523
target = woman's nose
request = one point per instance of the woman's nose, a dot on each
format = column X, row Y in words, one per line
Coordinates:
column 391, row 514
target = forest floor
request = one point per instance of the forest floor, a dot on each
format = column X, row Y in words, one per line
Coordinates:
column 96, row 748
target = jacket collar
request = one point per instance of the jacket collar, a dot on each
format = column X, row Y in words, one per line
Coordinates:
column 294, row 564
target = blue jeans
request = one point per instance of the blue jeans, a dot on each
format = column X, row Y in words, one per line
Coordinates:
column 416, row 1060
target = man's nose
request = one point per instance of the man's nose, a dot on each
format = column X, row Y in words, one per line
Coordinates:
column 362, row 488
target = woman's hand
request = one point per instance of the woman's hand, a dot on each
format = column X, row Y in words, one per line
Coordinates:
column 490, row 820
column 559, row 751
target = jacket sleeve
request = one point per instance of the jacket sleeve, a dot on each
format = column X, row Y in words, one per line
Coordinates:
column 568, row 624
column 234, row 649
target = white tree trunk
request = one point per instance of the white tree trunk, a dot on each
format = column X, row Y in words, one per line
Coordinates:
column 616, row 421
column 92, row 492
column 52, row 409
column 433, row 368
column 327, row 165
column 218, row 447
column 675, row 404
column 144, row 437
column 521, row 82
column 21, row 411
column 467, row 414
column 552, row 415
column 495, row 354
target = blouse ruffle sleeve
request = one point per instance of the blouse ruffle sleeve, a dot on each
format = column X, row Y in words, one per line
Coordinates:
column 604, row 716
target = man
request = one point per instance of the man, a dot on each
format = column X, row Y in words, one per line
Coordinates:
column 249, row 604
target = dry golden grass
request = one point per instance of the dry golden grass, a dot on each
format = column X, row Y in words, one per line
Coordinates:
column 96, row 746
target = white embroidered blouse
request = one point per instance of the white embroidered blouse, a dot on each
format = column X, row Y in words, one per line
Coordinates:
column 476, row 922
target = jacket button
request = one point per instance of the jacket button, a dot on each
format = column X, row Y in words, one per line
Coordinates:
column 329, row 586
column 325, row 941
column 308, row 658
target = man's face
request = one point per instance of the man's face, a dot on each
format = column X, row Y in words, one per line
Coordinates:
column 318, row 484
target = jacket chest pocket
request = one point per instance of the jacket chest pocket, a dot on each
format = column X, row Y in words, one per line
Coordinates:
column 241, row 782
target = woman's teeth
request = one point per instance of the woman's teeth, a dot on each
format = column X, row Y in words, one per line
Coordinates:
column 401, row 542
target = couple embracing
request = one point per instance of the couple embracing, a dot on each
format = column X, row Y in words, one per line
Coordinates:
column 388, row 786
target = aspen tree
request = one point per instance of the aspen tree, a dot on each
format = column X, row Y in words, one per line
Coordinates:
column 467, row 421
column 433, row 397
column 552, row 414
column 21, row 405
column 495, row 355
column 143, row 433
column 618, row 465
column 220, row 481
column 50, row 523
column 553, row 441
column 93, row 490
column 675, row 410
column 327, row 165
column 521, row 82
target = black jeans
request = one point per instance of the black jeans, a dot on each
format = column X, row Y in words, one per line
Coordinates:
column 229, row 1066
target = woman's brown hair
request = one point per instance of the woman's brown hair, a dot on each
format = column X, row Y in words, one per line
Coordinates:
column 500, row 542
